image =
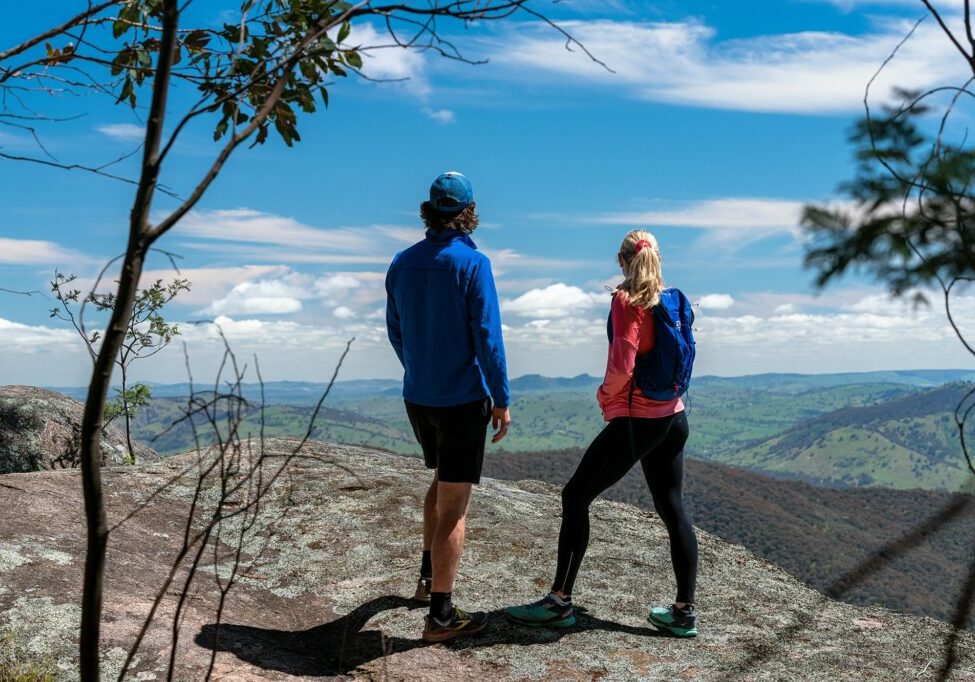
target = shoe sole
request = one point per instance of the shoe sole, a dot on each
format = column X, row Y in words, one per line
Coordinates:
column 676, row 632
column 434, row 639
column 561, row 623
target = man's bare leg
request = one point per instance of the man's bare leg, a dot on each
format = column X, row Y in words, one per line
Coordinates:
column 430, row 514
column 429, row 528
column 448, row 540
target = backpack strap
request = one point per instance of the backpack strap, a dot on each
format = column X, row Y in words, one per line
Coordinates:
column 629, row 417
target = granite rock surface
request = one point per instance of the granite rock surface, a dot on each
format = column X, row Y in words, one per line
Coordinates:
column 322, row 575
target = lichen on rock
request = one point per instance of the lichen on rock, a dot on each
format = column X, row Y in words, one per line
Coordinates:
column 41, row 429
column 326, row 568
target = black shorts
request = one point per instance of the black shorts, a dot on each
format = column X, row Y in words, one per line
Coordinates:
column 452, row 438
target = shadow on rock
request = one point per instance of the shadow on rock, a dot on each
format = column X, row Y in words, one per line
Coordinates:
column 341, row 646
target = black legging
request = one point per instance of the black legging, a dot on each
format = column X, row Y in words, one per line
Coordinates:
column 659, row 445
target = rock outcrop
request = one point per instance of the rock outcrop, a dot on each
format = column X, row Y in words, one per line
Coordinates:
column 41, row 429
column 324, row 570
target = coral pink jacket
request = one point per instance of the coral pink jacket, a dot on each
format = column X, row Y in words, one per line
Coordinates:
column 633, row 334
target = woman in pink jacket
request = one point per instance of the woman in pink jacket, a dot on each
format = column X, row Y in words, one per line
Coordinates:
column 650, row 432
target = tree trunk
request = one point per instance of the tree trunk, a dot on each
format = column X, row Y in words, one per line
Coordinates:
column 125, row 412
column 91, row 461
column 91, row 425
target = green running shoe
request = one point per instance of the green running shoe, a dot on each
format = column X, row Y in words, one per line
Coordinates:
column 545, row 612
column 678, row 622
column 460, row 623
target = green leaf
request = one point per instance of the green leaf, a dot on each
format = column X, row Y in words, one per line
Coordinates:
column 353, row 59
column 344, row 31
column 221, row 129
column 196, row 40
column 128, row 92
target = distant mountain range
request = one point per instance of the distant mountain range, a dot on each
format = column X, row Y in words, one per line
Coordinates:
column 890, row 429
column 303, row 392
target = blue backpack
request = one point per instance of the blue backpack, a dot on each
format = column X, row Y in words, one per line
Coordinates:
column 665, row 372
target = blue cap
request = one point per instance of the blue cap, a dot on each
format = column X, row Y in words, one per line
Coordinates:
column 451, row 193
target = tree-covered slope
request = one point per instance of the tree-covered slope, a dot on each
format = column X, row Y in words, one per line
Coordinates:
column 907, row 442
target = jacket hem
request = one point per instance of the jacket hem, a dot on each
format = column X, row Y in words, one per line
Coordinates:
column 441, row 401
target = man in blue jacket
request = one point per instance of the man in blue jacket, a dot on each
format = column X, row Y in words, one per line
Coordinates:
column 444, row 323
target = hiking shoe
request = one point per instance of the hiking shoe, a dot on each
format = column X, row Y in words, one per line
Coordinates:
column 546, row 612
column 422, row 594
column 678, row 622
column 460, row 623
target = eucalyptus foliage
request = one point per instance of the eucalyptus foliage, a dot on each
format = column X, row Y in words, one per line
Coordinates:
column 909, row 218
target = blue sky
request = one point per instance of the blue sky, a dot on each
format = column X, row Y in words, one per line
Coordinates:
column 712, row 129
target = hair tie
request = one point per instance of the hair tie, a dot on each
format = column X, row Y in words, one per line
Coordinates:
column 642, row 244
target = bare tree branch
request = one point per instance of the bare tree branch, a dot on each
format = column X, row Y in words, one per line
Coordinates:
column 19, row 293
column 88, row 169
column 57, row 30
column 948, row 32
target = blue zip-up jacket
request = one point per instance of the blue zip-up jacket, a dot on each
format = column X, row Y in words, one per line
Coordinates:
column 444, row 322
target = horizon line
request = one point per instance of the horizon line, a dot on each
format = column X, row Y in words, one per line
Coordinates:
column 577, row 376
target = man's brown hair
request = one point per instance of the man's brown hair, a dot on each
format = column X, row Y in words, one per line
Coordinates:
column 466, row 221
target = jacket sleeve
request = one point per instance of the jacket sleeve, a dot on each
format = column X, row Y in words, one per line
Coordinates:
column 484, row 315
column 393, row 328
column 622, row 353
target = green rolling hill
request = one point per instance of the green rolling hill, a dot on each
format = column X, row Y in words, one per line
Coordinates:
column 909, row 441
column 878, row 429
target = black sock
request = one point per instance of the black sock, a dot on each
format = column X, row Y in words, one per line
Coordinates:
column 441, row 606
column 426, row 565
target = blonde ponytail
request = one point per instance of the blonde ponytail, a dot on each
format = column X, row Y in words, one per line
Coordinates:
column 641, row 268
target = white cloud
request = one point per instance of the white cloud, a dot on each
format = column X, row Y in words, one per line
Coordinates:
column 444, row 116
column 206, row 284
column 288, row 349
column 35, row 339
column 868, row 332
column 873, row 332
column 344, row 313
column 907, row 305
column 686, row 63
column 384, row 60
column 254, row 305
column 715, row 302
column 554, row 301
column 31, row 251
column 730, row 223
column 785, row 309
column 503, row 260
column 288, row 255
column 729, row 212
column 393, row 66
column 42, row 355
column 283, row 292
column 128, row 132
column 246, row 225
column 339, row 285
column 246, row 233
